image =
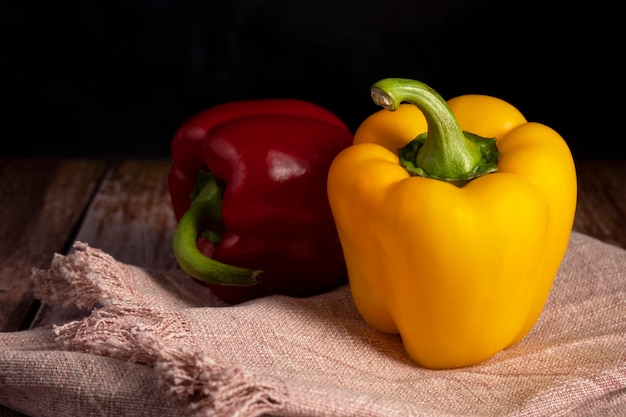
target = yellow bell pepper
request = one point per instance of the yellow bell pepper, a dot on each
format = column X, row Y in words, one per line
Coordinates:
column 454, row 240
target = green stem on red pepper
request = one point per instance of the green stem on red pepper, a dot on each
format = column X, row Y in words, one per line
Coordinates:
column 205, row 207
column 445, row 152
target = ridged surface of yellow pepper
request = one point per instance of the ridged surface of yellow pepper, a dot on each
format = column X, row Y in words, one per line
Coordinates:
column 462, row 266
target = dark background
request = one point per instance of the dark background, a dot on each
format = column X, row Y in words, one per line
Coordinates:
column 116, row 78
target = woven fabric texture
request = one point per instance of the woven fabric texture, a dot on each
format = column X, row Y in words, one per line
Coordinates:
column 158, row 343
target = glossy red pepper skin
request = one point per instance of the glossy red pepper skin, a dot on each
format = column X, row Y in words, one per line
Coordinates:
column 273, row 157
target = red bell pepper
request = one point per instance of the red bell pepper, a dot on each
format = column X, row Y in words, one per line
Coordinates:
column 248, row 188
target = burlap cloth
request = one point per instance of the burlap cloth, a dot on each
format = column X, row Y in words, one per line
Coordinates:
column 157, row 344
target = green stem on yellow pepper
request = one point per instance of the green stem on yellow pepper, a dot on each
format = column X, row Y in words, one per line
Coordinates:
column 206, row 207
column 445, row 152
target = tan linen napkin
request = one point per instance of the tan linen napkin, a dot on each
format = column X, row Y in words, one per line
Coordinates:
column 158, row 343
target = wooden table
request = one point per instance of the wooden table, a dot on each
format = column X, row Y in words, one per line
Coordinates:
column 123, row 207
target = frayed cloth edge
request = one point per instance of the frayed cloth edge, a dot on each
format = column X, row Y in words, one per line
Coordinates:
column 209, row 387
column 121, row 328
column 85, row 278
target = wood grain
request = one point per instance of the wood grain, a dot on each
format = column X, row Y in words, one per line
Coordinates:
column 123, row 208
column 601, row 210
column 130, row 218
column 42, row 204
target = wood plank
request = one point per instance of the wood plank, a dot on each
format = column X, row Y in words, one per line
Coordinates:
column 601, row 210
column 42, row 204
column 131, row 219
column 131, row 216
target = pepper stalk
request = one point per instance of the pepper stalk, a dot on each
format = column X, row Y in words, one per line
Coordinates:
column 444, row 152
column 206, row 207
